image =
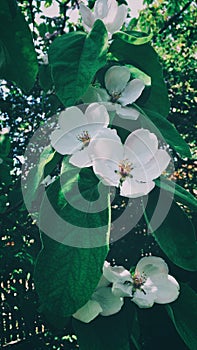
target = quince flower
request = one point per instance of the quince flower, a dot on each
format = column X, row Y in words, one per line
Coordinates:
column 112, row 15
column 149, row 284
column 119, row 92
column 102, row 302
column 131, row 166
column 77, row 130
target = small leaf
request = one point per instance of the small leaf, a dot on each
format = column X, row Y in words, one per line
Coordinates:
column 179, row 193
column 70, row 56
column 133, row 37
column 183, row 313
column 4, row 145
column 169, row 132
column 175, row 235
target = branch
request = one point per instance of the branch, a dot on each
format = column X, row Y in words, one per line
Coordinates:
column 174, row 17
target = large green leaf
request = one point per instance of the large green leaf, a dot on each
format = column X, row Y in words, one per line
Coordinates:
column 70, row 265
column 175, row 235
column 75, row 58
column 146, row 59
column 107, row 333
column 169, row 132
column 133, row 37
column 183, row 313
column 178, row 192
column 18, row 61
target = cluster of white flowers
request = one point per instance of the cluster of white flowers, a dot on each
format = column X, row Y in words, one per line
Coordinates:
column 131, row 166
column 149, row 284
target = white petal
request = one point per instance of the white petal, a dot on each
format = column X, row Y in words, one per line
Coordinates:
column 133, row 189
column 63, row 142
column 81, row 159
column 87, row 17
column 151, row 265
column 71, row 118
column 168, row 289
column 88, row 312
column 103, row 7
column 97, row 113
column 116, row 79
column 115, row 273
column 106, row 146
column 123, row 289
column 103, row 282
column 144, row 300
column 141, row 146
column 106, row 172
column 128, row 113
column 109, row 303
column 131, row 92
column 154, row 168
column 114, row 23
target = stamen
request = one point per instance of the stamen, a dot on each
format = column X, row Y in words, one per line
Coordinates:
column 84, row 138
column 125, row 168
column 115, row 96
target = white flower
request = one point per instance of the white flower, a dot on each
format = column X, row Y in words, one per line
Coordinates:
column 77, row 130
column 131, row 166
column 103, row 302
column 120, row 92
column 112, row 15
column 149, row 284
column 48, row 180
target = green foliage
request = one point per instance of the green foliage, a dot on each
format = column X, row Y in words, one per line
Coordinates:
column 175, row 235
column 183, row 313
column 70, row 56
column 18, row 59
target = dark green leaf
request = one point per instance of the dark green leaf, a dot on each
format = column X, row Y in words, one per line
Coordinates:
column 106, row 333
column 45, row 78
column 169, row 132
column 18, row 58
column 4, row 145
column 70, row 56
column 135, row 54
column 175, row 235
column 183, row 313
column 179, row 193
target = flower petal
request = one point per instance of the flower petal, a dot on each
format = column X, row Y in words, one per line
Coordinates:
column 141, row 146
column 95, row 94
column 144, row 300
column 109, row 303
column 116, row 79
column 87, row 17
column 103, row 7
column 154, row 168
column 115, row 273
column 151, row 265
column 131, row 92
column 128, row 113
column 88, row 312
column 81, row 159
column 97, row 113
column 168, row 289
column 123, row 289
column 63, row 142
column 114, row 23
column 133, row 189
column 71, row 118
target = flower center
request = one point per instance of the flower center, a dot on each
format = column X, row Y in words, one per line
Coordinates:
column 125, row 168
column 85, row 138
column 138, row 282
column 115, row 96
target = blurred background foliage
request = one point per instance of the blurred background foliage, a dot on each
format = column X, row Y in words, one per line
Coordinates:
column 172, row 24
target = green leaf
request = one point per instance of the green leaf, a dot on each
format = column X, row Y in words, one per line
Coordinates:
column 4, row 145
column 179, row 193
column 175, row 235
column 169, row 132
column 45, row 78
column 183, row 313
column 133, row 37
column 70, row 265
column 47, row 162
column 70, row 56
column 106, row 332
column 18, row 58
column 146, row 59
column 5, row 177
